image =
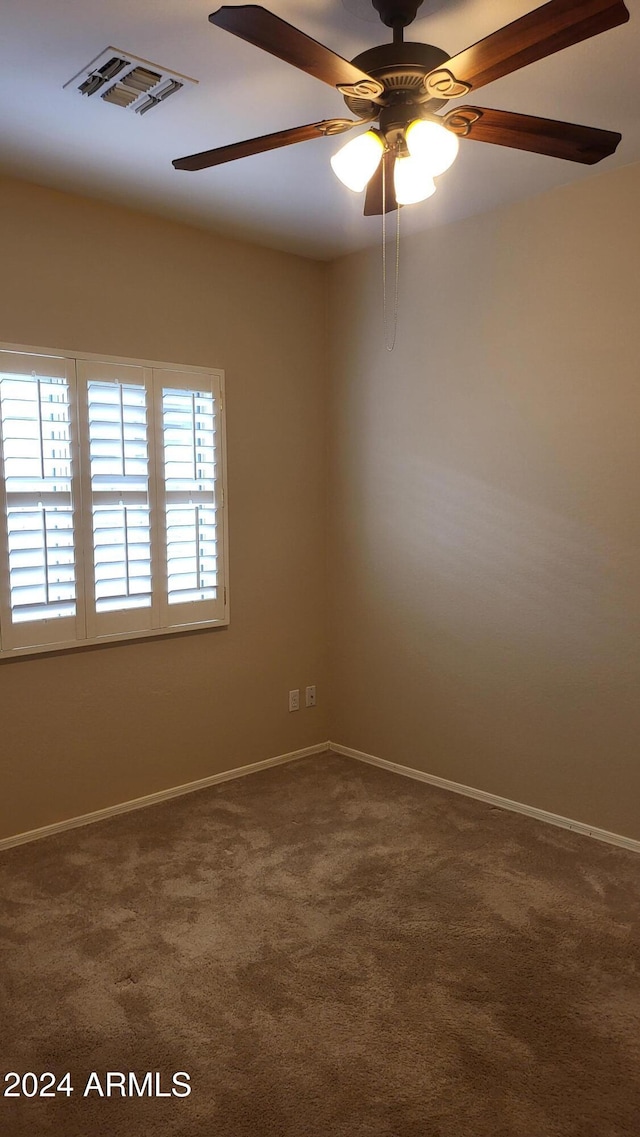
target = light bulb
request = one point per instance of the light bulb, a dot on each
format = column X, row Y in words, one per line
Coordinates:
column 412, row 181
column 433, row 144
column 356, row 162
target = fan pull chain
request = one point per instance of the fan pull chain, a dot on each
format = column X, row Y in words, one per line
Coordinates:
column 389, row 345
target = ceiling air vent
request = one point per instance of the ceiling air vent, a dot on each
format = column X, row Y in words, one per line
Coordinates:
column 126, row 81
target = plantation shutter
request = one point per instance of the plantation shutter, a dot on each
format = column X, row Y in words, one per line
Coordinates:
column 112, row 512
column 190, row 495
column 39, row 602
column 119, row 490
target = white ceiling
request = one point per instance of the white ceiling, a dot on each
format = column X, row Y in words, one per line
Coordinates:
column 287, row 199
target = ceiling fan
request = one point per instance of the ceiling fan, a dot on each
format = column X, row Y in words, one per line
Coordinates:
column 401, row 87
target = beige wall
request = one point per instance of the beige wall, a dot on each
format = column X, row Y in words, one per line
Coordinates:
column 482, row 495
column 486, row 493
column 88, row 729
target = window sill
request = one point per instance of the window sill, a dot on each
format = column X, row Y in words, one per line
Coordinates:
column 108, row 641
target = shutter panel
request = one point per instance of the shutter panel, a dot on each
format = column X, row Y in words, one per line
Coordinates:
column 193, row 532
column 118, row 486
column 39, row 474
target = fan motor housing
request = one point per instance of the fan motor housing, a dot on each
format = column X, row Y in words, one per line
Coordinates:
column 401, row 67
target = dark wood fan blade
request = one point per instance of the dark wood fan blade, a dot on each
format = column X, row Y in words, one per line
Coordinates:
column 258, row 26
column 373, row 198
column 541, row 135
column 540, row 33
column 235, row 150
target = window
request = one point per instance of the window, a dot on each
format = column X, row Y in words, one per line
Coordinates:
column 112, row 512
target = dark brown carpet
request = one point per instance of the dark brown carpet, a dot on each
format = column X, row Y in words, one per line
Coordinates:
column 327, row 949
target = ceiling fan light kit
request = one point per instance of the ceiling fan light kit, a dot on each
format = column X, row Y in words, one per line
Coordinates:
column 398, row 89
column 431, row 148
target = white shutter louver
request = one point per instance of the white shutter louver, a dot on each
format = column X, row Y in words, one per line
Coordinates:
column 121, row 521
column 38, row 472
column 118, row 497
column 188, row 427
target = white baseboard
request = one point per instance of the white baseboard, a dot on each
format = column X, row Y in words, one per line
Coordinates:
column 491, row 799
column 337, row 748
column 161, row 795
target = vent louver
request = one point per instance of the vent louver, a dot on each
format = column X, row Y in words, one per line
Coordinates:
column 151, row 101
column 102, row 75
column 138, row 84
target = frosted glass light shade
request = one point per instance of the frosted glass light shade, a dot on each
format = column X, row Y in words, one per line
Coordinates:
column 412, row 181
column 433, row 144
column 356, row 162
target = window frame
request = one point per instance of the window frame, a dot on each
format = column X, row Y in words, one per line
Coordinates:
column 82, row 506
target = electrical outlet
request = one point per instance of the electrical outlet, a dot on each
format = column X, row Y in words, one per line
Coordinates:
column 294, row 700
column 310, row 696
